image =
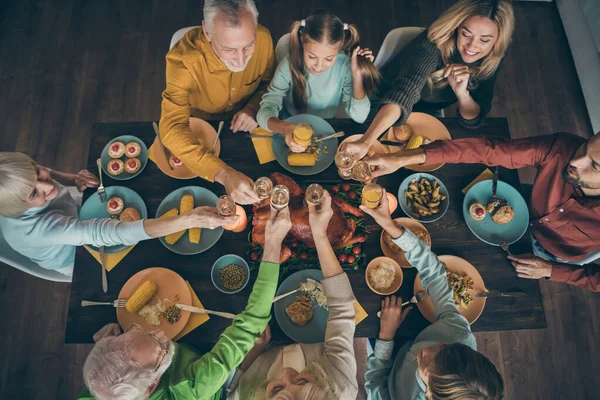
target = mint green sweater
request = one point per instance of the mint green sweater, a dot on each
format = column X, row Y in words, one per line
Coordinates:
column 192, row 375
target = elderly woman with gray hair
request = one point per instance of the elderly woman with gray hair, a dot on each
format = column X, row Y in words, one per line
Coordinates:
column 146, row 365
column 321, row 371
column 42, row 217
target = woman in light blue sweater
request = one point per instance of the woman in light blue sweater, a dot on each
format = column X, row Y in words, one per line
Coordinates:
column 442, row 361
column 39, row 218
column 324, row 68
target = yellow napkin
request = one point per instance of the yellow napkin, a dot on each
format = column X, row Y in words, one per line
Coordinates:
column 263, row 147
column 360, row 312
column 485, row 175
column 195, row 319
column 151, row 153
column 110, row 260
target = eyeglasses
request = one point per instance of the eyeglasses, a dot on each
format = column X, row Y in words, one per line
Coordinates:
column 162, row 343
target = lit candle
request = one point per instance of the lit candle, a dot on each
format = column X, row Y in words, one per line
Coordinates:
column 242, row 221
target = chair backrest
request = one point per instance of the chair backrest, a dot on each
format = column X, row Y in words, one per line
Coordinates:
column 395, row 41
column 10, row 257
column 282, row 48
column 179, row 34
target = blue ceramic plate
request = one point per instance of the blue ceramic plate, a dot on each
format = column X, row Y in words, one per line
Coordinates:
column 94, row 208
column 486, row 230
column 208, row 238
column 321, row 128
column 223, row 262
column 314, row 330
column 143, row 157
column 408, row 211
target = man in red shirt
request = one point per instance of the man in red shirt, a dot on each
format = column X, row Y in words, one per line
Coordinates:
column 565, row 200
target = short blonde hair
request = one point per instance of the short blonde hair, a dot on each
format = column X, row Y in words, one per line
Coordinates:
column 442, row 33
column 324, row 388
column 17, row 181
column 460, row 373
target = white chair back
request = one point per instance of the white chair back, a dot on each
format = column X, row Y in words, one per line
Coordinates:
column 179, row 34
column 10, row 257
column 395, row 41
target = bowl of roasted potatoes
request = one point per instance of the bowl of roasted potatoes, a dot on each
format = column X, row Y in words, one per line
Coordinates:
column 423, row 197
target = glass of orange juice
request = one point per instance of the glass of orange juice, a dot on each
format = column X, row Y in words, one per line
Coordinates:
column 303, row 134
column 371, row 195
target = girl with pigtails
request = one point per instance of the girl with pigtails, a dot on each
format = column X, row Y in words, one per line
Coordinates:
column 324, row 67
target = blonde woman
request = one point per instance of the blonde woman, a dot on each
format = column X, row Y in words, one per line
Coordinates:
column 325, row 67
column 457, row 60
column 442, row 361
column 41, row 217
column 321, row 371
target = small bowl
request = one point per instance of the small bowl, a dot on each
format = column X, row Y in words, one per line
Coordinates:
column 407, row 210
column 397, row 280
column 223, row 262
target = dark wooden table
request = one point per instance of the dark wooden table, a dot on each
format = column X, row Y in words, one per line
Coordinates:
column 450, row 235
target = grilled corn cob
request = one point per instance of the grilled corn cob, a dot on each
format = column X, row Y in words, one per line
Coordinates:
column 415, row 142
column 302, row 159
column 187, row 204
column 173, row 237
column 142, row 295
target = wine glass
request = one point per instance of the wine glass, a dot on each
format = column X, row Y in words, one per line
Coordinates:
column 343, row 159
column 280, row 197
column 226, row 206
column 361, row 171
column 314, row 194
column 263, row 187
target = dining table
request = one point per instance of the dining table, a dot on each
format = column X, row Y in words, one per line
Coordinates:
column 450, row 236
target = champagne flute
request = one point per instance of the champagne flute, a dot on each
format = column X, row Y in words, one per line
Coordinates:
column 361, row 171
column 226, row 206
column 263, row 187
column 372, row 195
column 314, row 194
column 280, row 197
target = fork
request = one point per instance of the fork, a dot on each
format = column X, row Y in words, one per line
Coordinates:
column 504, row 246
column 101, row 191
column 419, row 297
column 116, row 303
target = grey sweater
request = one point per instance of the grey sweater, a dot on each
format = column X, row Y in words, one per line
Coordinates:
column 405, row 82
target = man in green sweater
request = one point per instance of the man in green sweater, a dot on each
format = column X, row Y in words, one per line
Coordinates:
column 142, row 365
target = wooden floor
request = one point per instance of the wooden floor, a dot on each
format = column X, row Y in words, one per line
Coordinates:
column 67, row 64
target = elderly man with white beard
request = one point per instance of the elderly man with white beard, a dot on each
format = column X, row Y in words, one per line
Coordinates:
column 218, row 71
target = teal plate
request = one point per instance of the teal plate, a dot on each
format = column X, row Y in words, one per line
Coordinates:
column 143, row 157
column 208, row 238
column 321, row 128
column 94, row 208
column 314, row 330
column 407, row 210
column 486, row 230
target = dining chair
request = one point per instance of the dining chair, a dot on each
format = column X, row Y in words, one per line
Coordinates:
column 395, row 41
column 10, row 257
column 282, row 49
column 179, row 34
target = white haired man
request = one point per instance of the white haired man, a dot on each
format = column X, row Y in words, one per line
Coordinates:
column 218, row 71
column 146, row 365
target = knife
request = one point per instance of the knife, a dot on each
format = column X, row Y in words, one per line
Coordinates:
column 104, row 280
column 198, row 310
column 162, row 146
column 390, row 143
column 495, row 293
column 495, row 183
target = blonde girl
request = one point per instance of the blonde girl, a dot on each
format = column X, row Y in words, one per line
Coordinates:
column 325, row 67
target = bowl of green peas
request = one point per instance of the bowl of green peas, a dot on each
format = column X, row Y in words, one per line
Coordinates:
column 230, row 274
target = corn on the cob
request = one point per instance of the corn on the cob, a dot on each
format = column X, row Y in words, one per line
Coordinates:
column 302, row 159
column 415, row 142
column 186, row 204
column 194, row 234
column 142, row 295
column 170, row 213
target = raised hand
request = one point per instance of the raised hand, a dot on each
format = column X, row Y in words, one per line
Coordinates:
column 320, row 215
column 237, row 185
column 208, row 217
